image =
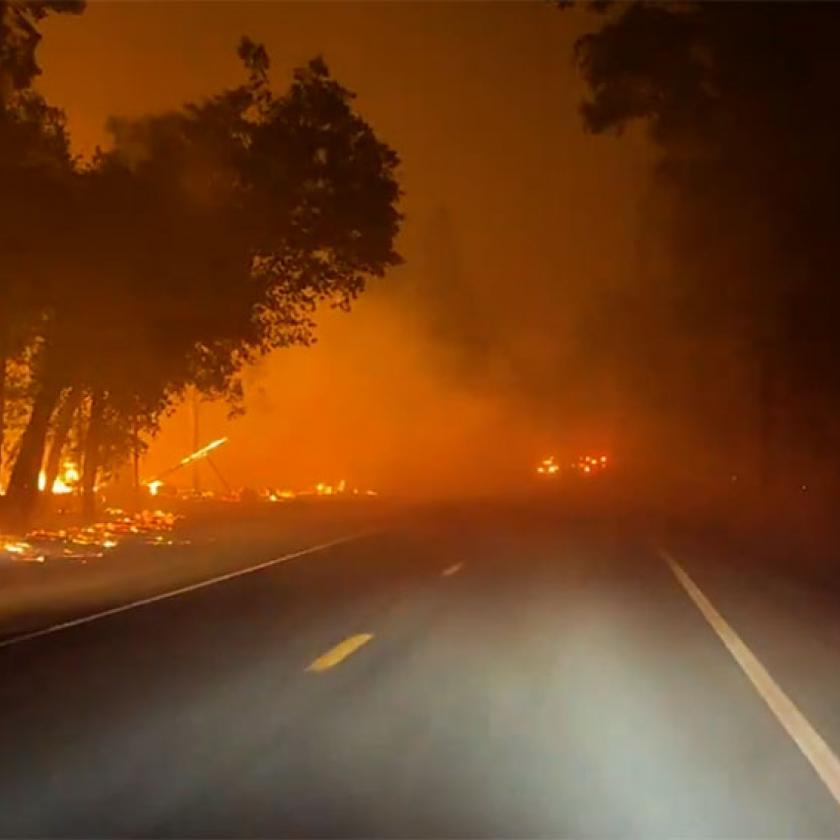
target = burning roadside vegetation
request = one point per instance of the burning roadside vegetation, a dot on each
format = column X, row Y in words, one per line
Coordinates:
column 91, row 541
column 65, row 538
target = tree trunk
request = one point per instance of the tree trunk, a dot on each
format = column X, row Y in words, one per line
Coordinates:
column 61, row 431
column 2, row 403
column 92, row 453
column 22, row 492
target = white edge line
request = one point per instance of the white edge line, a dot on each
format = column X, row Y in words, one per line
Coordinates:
column 809, row 741
column 183, row 590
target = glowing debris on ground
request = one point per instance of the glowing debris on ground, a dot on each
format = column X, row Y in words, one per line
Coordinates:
column 321, row 489
column 148, row 527
column 14, row 550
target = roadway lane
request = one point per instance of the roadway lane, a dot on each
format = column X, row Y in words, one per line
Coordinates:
column 508, row 673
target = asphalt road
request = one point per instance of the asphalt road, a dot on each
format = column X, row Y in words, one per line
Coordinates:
column 488, row 671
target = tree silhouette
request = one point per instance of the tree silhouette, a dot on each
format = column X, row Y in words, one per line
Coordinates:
column 19, row 39
column 204, row 239
column 742, row 104
column 34, row 155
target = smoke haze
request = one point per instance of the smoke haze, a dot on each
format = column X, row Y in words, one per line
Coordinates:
column 482, row 354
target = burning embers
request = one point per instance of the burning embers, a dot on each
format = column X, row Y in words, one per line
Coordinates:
column 148, row 527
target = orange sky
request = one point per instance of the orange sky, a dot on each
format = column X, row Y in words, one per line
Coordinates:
column 480, row 101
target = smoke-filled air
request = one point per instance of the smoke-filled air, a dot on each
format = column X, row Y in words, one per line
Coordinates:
column 463, row 366
column 419, row 419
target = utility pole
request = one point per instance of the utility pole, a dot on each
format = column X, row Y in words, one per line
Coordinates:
column 136, row 456
column 196, row 444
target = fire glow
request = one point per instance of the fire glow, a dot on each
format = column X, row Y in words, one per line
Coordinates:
column 20, row 550
column 590, row 464
column 67, row 480
column 203, row 452
column 585, row 465
column 151, row 527
column 154, row 486
column 322, row 489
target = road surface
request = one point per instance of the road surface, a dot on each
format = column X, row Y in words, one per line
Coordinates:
column 478, row 672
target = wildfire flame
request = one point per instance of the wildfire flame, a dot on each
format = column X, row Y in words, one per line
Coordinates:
column 589, row 464
column 549, row 466
column 154, row 485
column 322, row 488
column 583, row 464
column 20, row 550
column 153, row 527
column 67, row 480
column 203, row 452
column 281, row 495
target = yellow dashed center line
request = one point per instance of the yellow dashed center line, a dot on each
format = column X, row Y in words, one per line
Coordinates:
column 339, row 653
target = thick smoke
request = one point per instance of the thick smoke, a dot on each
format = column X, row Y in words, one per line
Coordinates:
column 497, row 343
